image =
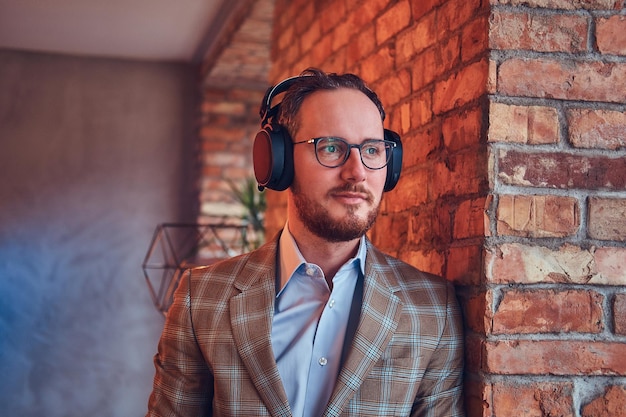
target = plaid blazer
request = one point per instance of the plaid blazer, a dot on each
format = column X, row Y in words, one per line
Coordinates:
column 215, row 355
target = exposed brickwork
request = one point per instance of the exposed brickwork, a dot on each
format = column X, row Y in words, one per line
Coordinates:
column 569, row 264
column 607, row 218
column 532, row 125
column 551, row 398
column 555, row 357
column 538, row 32
column 562, row 170
column 537, row 216
column 611, row 35
column 611, row 404
column 552, row 311
column 229, row 121
column 554, row 260
column 597, row 129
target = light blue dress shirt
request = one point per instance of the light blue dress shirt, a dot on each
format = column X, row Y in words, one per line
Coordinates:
column 309, row 326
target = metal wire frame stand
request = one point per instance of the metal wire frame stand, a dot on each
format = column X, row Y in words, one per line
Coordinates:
column 176, row 247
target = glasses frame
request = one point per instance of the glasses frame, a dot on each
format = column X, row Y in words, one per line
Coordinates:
column 350, row 146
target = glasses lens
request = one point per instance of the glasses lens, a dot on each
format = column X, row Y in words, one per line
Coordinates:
column 331, row 152
column 375, row 153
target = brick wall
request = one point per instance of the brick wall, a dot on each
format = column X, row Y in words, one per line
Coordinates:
column 513, row 120
column 552, row 338
column 228, row 121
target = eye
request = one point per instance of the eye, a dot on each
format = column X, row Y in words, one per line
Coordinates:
column 331, row 147
column 372, row 149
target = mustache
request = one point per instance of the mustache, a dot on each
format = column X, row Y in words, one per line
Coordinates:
column 353, row 188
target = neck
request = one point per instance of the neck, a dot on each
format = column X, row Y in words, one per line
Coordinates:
column 329, row 256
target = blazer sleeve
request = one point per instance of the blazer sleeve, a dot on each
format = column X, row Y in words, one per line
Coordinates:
column 183, row 383
column 440, row 393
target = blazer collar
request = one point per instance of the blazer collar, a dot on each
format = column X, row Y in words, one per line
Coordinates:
column 380, row 313
column 251, row 317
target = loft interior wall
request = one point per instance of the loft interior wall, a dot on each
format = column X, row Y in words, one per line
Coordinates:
column 94, row 153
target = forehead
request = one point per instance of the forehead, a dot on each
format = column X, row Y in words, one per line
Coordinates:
column 333, row 112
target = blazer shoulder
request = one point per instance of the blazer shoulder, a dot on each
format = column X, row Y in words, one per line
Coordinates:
column 241, row 270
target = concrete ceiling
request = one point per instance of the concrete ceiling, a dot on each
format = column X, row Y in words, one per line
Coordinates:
column 155, row 30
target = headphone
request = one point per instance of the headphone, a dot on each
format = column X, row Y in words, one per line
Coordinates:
column 272, row 151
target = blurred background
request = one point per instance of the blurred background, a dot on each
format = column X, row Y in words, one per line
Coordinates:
column 100, row 124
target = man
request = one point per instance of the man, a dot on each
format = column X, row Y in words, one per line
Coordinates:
column 317, row 322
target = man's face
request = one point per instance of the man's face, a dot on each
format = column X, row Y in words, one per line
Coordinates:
column 336, row 204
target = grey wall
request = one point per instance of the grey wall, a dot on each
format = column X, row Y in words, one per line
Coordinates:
column 93, row 154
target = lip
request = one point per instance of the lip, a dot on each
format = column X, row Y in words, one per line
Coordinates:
column 350, row 197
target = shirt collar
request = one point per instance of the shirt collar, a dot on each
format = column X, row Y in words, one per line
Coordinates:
column 290, row 257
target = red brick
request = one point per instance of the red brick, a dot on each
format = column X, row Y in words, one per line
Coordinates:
column 619, row 314
column 464, row 130
column 565, row 4
column 611, row 404
column 549, row 311
column 447, row 56
column 361, row 44
column 607, row 218
column 422, row 7
column 463, row 265
column 421, row 109
column 477, row 316
column 395, row 87
column 600, row 129
column 331, row 16
column 475, row 39
column 378, row 64
column 538, row 32
column 427, row 260
column 393, row 21
column 311, row 35
column 537, row 216
column 533, row 399
column 611, row 35
column 419, row 146
column 562, row 170
column 555, row 357
column 466, row 85
column 427, row 230
column 367, row 11
column 459, row 174
column 469, row 219
column 412, row 189
column 415, row 39
column 523, row 124
column 424, row 69
column 610, row 266
column 454, row 14
column 563, row 79
column 517, row 263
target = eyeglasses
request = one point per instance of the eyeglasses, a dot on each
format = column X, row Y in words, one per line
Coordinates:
column 333, row 152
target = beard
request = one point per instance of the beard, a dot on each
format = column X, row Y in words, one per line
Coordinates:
column 319, row 221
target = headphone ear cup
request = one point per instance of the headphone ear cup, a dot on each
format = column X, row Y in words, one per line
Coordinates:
column 394, row 167
column 272, row 156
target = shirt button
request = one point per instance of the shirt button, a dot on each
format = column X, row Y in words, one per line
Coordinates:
column 310, row 271
column 331, row 304
column 322, row 361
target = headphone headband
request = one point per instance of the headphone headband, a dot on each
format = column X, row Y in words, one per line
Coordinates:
column 267, row 111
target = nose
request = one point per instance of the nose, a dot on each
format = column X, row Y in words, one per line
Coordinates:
column 354, row 170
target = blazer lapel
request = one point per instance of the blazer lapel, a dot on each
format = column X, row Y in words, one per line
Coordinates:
column 251, row 320
column 380, row 313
